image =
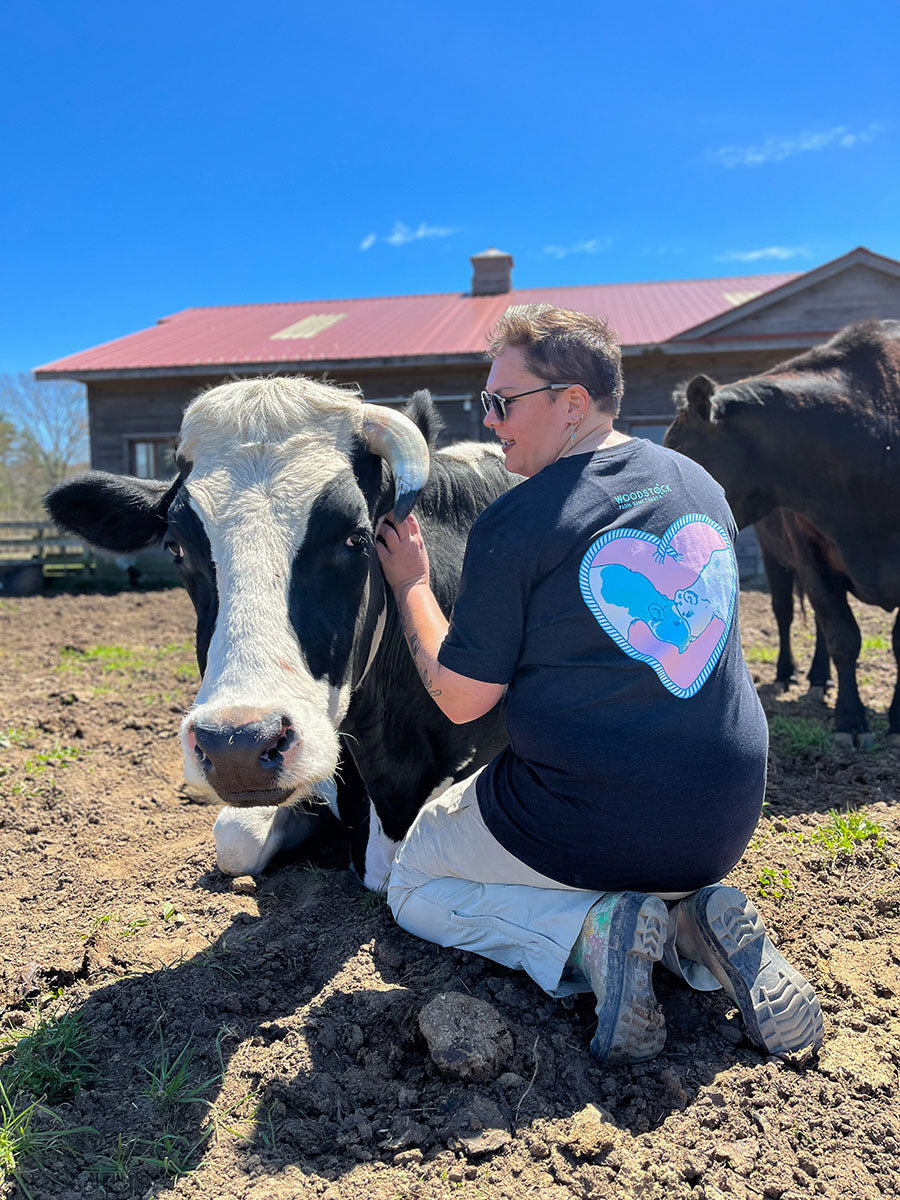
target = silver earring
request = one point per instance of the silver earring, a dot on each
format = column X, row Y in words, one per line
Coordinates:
column 572, row 434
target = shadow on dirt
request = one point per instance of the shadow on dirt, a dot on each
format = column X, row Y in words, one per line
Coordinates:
column 301, row 1026
column 803, row 756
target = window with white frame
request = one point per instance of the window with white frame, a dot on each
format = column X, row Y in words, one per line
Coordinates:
column 152, row 458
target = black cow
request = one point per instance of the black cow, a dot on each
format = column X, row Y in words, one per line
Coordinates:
column 777, row 534
column 818, row 435
column 272, row 522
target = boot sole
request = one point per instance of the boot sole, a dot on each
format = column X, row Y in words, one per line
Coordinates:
column 778, row 1006
column 630, row 1025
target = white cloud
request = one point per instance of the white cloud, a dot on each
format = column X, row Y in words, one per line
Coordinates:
column 749, row 256
column 368, row 241
column 591, row 246
column 401, row 234
column 776, row 149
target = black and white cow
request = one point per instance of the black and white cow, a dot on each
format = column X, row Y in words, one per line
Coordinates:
column 308, row 692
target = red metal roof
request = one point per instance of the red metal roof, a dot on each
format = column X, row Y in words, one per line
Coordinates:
column 392, row 327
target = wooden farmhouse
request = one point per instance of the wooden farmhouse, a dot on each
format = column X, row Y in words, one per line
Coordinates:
column 139, row 385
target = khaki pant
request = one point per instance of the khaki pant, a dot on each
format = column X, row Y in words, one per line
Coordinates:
column 453, row 884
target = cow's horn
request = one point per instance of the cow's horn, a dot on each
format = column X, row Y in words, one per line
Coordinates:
column 397, row 440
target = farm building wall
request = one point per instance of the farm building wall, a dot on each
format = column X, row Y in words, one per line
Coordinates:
column 124, row 412
column 129, row 411
column 857, row 293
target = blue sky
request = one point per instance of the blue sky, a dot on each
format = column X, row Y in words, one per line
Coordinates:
column 161, row 156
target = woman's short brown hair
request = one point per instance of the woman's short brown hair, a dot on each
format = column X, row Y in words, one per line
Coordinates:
column 564, row 346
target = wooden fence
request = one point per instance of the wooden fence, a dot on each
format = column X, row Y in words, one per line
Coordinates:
column 32, row 551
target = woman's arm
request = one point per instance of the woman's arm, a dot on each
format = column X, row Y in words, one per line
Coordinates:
column 404, row 561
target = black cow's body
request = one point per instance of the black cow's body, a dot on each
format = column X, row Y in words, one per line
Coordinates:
column 776, row 534
column 307, row 661
column 818, row 435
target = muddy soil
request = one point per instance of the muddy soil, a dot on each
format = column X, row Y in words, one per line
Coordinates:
column 293, row 1001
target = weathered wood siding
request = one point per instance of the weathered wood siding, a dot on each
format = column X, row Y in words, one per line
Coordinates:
column 127, row 410
column 650, row 379
column 855, row 294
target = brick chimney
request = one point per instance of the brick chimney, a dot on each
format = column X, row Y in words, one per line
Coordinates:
column 491, row 272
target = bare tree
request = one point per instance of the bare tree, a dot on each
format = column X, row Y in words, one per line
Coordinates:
column 43, row 437
column 8, row 464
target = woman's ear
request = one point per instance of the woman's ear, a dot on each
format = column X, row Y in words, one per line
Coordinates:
column 578, row 401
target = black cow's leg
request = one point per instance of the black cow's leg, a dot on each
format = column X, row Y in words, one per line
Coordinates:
column 781, row 590
column 829, row 598
column 894, row 710
column 819, row 674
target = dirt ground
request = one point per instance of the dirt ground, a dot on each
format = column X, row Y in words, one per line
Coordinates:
column 263, row 1043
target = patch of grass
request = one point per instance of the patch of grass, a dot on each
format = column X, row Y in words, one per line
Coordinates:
column 107, row 658
column 799, row 735
column 169, row 912
column 218, row 955
column 15, row 737
column 170, row 1154
column 128, row 659
column 773, row 884
column 846, row 832
column 228, row 1116
column 225, row 1115
column 264, row 1125
column 52, row 1058
column 57, row 756
column 171, row 1080
column 38, row 766
column 875, row 643
column 761, row 654
column 25, row 1141
column 130, row 925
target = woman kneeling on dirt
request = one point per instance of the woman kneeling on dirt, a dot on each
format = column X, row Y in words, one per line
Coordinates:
column 599, row 602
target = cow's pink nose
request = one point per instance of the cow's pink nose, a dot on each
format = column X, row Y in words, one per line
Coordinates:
column 244, row 757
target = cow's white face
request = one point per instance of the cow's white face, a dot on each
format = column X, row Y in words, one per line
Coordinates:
column 277, row 544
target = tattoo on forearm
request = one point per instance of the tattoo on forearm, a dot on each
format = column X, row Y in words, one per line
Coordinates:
column 418, row 655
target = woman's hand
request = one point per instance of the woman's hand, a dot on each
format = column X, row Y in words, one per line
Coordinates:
column 402, row 553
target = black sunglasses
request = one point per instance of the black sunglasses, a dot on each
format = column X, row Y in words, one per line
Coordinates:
column 494, row 401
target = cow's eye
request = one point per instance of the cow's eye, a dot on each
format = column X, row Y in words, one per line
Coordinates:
column 356, row 541
column 174, row 549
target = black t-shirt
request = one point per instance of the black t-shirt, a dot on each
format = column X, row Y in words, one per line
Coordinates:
column 604, row 592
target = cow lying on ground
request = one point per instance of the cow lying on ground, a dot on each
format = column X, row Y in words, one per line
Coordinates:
column 776, row 535
column 272, row 522
column 819, row 435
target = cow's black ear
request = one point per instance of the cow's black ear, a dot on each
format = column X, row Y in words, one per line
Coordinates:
column 699, row 393
column 114, row 512
column 423, row 413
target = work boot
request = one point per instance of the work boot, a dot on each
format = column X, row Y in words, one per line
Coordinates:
column 622, row 937
column 720, row 928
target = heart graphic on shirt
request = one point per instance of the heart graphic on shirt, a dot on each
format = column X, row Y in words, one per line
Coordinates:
column 666, row 601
